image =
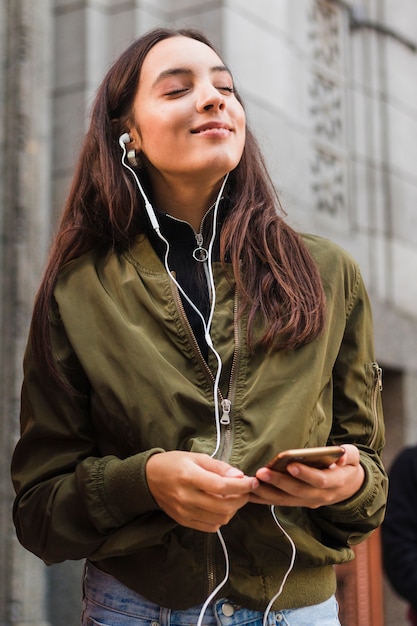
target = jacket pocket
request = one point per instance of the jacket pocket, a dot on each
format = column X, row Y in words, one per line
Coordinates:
column 374, row 383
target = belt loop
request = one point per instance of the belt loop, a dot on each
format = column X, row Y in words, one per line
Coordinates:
column 164, row 617
column 84, row 578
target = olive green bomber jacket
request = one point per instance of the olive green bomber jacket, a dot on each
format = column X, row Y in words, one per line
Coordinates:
column 125, row 344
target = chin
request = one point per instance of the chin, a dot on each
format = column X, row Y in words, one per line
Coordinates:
column 221, row 165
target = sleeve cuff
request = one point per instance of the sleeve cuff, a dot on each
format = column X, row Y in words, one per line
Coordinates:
column 126, row 488
column 358, row 506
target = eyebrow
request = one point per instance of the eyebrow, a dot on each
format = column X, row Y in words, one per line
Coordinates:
column 176, row 71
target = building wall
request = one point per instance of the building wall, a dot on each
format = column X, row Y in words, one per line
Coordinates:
column 26, row 59
column 334, row 105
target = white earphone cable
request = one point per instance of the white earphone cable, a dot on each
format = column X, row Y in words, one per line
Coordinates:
column 207, row 325
column 290, row 567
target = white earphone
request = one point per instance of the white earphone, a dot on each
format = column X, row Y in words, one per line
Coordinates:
column 123, row 140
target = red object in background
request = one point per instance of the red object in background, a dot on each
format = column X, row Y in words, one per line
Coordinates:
column 412, row 617
column 360, row 585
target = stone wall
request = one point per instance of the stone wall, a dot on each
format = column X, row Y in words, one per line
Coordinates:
column 26, row 60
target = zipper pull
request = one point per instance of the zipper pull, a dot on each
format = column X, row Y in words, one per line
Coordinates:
column 200, row 253
column 226, row 406
column 378, row 374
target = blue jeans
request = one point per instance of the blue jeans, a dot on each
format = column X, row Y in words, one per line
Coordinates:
column 106, row 602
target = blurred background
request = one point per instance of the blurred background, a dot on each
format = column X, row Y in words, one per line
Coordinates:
column 331, row 92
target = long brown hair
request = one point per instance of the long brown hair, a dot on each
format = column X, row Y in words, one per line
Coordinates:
column 274, row 271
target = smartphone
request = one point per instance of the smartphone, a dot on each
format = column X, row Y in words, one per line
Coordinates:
column 314, row 457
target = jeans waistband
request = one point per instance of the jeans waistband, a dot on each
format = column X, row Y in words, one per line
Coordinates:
column 102, row 592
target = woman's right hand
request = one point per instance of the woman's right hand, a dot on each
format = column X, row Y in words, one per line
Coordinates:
column 196, row 490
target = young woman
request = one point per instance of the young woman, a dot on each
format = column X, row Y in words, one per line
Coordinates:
column 183, row 334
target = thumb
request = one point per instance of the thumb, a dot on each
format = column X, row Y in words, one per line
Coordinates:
column 351, row 455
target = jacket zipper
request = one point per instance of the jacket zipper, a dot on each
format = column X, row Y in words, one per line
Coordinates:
column 200, row 253
column 225, row 419
column 377, row 388
column 224, row 452
column 225, row 403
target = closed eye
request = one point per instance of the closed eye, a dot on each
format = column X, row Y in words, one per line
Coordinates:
column 228, row 89
column 177, row 92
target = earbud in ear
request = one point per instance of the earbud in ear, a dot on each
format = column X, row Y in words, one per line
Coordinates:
column 124, row 139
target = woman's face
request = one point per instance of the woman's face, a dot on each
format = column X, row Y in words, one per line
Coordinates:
column 188, row 124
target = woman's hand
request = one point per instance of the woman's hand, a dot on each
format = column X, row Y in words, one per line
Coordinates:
column 310, row 487
column 197, row 491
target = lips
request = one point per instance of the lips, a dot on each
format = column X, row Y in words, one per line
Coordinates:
column 211, row 127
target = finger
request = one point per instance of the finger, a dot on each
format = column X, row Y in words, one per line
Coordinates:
column 328, row 486
column 318, row 478
column 351, row 456
column 210, row 512
column 314, row 489
column 217, row 477
column 217, row 467
column 266, row 494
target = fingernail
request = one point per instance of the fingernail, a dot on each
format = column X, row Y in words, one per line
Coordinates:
column 266, row 477
column 294, row 470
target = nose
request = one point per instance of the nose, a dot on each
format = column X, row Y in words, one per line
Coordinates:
column 209, row 97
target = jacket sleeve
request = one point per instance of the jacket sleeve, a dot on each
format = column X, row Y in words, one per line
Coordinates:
column 69, row 500
column 399, row 530
column 357, row 419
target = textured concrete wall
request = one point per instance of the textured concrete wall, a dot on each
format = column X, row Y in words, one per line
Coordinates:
column 334, row 104
column 26, row 58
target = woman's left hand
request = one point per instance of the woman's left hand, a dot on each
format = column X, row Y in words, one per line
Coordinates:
column 308, row 486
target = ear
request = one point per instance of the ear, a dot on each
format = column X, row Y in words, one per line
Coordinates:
column 136, row 142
